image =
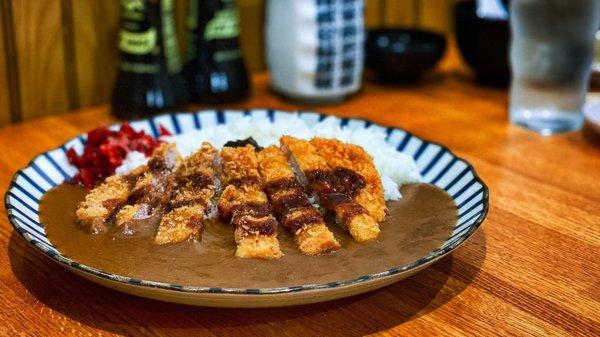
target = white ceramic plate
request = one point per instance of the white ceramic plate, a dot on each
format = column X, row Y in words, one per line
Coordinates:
column 436, row 163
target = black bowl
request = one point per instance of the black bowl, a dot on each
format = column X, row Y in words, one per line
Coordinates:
column 483, row 44
column 402, row 55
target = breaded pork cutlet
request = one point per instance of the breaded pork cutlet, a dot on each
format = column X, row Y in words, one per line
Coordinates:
column 192, row 197
column 150, row 193
column 245, row 205
column 300, row 219
column 332, row 191
column 96, row 210
column 344, row 158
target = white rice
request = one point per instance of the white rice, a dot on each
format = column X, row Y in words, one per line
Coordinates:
column 133, row 160
column 395, row 168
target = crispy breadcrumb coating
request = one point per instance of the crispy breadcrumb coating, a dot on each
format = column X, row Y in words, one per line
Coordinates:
column 318, row 175
column 192, row 197
column 100, row 203
column 354, row 157
column 302, row 220
column 245, row 205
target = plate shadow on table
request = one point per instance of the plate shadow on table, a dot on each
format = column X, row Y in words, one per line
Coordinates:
column 103, row 308
column 429, row 78
column 591, row 135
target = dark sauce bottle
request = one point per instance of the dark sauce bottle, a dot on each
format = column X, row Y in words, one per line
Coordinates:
column 149, row 67
column 214, row 67
column 171, row 48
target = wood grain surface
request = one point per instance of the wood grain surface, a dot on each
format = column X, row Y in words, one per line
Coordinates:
column 436, row 15
column 401, row 13
column 41, row 67
column 96, row 24
column 4, row 94
column 531, row 270
column 252, row 21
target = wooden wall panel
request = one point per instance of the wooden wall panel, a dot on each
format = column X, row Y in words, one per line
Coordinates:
column 436, row 15
column 374, row 12
column 95, row 31
column 41, row 66
column 400, row 13
column 4, row 90
column 252, row 18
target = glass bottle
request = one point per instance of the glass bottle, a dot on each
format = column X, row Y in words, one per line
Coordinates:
column 171, row 49
column 214, row 69
column 148, row 60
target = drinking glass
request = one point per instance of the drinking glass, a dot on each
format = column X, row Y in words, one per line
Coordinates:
column 551, row 54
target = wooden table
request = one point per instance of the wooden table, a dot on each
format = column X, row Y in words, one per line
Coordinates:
column 532, row 269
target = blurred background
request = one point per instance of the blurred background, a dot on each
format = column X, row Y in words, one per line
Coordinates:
column 59, row 55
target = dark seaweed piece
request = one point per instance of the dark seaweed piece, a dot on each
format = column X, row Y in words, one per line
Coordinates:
column 244, row 142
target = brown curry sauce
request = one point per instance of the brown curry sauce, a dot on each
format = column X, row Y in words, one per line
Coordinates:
column 417, row 224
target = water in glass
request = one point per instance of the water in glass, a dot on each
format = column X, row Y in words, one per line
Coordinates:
column 551, row 54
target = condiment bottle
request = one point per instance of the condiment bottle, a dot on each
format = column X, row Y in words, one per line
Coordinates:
column 315, row 48
column 149, row 62
column 214, row 69
column 171, row 48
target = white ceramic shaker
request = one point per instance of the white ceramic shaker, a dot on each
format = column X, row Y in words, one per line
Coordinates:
column 315, row 48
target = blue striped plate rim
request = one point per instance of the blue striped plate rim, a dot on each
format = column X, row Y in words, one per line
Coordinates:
column 437, row 164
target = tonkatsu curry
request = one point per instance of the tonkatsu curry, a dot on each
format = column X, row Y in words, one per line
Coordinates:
column 263, row 204
column 253, row 189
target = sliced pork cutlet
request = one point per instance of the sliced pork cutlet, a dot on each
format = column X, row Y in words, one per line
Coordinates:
column 352, row 162
column 101, row 202
column 149, row 196
column 192, row 197
column 245, row 205
column 298, row 217
column 333, row 193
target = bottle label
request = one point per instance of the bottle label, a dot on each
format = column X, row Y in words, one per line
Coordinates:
column 138, row 39
column 133, row 9
column 227, row 55
column 171, row 46
column 138, row 43
column 224, row 25
column 191, row 36
column 139, row 68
